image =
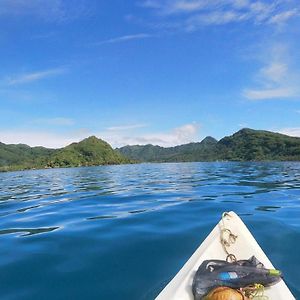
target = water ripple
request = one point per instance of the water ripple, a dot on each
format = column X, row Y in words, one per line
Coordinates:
column 28, row 231
column 101, row 232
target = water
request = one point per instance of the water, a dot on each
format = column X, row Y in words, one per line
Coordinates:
column 124, row 231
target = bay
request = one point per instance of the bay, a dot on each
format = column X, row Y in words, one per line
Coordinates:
column 124, row 231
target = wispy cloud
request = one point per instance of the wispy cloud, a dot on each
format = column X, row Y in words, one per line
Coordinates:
column 59, row 121
column 265, row 94
column 48, row 10
column 292, row 131
column 34, row 76
column 38, row 138
column 284, row 16
column 194, row 14
column 180, row 135
column 125, row 38
column 177, row 136
column 174, row 7
column 126, row 127
column 214, row 18
column 275, row 80
column 243, row 125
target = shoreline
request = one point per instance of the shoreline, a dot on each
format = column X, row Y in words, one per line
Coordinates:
column 2, row 169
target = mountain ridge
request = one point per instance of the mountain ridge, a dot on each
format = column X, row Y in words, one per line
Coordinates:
column 244, row 145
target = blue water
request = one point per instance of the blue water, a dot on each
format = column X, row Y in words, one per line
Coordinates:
column 122, row 232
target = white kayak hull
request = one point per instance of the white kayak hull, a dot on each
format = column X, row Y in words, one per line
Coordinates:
column 180, row 287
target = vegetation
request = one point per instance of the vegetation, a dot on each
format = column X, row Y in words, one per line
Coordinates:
column 202, row 151
column 89, row 152
column 14, row 157
column 244, row 145
column 259, row 145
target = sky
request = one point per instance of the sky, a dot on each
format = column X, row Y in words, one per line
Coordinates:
column 165, row 72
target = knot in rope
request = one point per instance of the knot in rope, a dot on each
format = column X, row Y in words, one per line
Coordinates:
column 255, row 292
column 227, row 238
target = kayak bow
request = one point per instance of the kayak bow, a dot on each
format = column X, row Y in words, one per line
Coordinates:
column 245, row 246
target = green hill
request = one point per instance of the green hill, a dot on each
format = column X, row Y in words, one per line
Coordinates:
column 143, row 153
column 259, row 145
column 89, row 152
column 14, row 157
column 245, row 145
column 201, row 151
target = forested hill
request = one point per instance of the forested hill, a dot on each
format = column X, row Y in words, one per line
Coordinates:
column 244, row 145
column 202, row 151
column 249, row 145
column 89, row 152
column 14, row 157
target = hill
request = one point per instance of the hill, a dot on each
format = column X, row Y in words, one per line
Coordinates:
column 201, row 151
column 89, row 152
column 14, row 157
column 259, row 145
column 244, row 145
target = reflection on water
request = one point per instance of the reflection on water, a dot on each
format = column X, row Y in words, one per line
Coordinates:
column 101, row 217
column 28, row 231
column 268, row 208
column 107, row 231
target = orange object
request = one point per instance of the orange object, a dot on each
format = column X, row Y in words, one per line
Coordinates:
column 225, row 293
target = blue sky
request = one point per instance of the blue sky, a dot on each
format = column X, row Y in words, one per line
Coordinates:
column 165, row 72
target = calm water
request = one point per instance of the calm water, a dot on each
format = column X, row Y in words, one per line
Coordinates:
column 122, row 232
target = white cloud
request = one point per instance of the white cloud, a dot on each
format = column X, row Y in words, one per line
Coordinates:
column 283, row 17
column 276, row 79
column 177, row 136
column 214, row 18
column 265, row 94
column 180, row 135
column 168, row 7
column 261, row 11
column 126, row 127
column 60, row 121
column 38, row 138
column 198, row 13
column 34, row 76
column 188, row 6
column 275, row 71
column 182, row 6
column 293, row 131
column 125, row 38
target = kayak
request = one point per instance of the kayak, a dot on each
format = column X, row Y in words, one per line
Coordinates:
column 244, row 247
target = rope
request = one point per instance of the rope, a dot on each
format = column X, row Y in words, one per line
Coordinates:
column 255, row 292
column 227, row 238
